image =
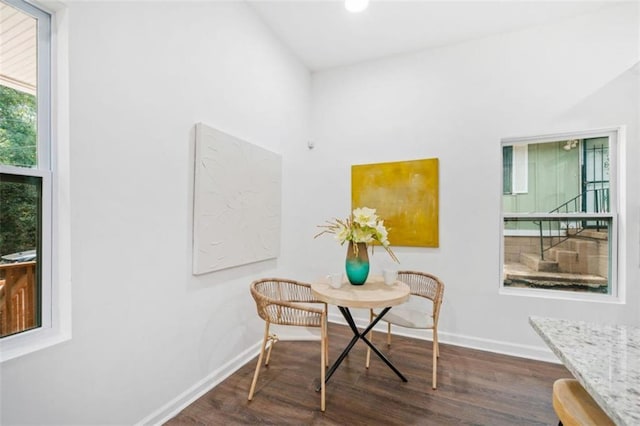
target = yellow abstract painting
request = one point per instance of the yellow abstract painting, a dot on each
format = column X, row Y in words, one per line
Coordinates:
column 405, row 195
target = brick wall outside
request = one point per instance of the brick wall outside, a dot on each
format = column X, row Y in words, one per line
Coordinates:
column 597, row 262
column 513, row 246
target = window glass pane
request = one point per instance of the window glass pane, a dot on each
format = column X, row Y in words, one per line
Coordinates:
column 18, row 83
column 596, row 175
column 507, row 168
column 558, row 254
column 25, row 172
column 565, row 177
column 20, row 225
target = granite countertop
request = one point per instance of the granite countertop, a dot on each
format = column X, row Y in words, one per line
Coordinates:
column 604, row 358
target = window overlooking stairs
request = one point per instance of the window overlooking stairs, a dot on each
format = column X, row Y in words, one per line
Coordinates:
column 559, row 233
column 578, row 263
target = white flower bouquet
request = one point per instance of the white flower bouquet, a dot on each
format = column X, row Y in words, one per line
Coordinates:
column 363, row 226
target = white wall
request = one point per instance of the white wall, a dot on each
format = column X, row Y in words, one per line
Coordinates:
column 144, row 329
column 456, row 103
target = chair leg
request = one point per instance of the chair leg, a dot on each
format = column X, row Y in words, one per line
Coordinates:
column 370, row 339
column 435, row 358
column 389, row 334
column 435, row 334
column 326, row 336
column 258, row 365
column 271, row 339
column 326, row 346
column 323, row 363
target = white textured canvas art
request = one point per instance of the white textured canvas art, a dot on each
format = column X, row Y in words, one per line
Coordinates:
column 237, row 202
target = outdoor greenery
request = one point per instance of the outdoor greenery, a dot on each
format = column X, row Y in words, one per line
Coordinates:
column 19, row 195
column 18, row 118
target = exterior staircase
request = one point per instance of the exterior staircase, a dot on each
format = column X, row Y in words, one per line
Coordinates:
column 585, row 253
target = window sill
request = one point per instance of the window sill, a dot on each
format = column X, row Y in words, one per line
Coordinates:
column 31, row 341
column 562, row 295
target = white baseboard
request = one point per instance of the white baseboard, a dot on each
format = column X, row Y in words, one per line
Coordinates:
column 540, row 353
column 501, row 347
column 187, row 397
column 173, row 407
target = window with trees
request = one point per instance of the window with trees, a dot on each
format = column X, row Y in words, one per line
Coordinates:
column 25, row 168
column 559, row 229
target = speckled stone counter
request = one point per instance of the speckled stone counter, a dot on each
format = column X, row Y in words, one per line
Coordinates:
column 604, row 358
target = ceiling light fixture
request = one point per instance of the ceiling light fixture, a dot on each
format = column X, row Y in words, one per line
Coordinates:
column 356, row 5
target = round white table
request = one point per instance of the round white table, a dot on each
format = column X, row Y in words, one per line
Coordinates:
column 374, row 293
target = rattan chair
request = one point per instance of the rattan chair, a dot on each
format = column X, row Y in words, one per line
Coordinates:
column 287, row 302
column 425, row 286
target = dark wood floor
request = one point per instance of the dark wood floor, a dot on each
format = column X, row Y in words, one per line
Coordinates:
column 474, row 387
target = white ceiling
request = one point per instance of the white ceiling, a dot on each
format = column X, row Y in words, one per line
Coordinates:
column 322, row 34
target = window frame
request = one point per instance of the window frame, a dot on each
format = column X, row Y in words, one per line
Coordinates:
column 52, row 168
column 615, row 294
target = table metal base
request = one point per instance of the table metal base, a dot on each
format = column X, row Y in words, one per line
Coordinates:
column 357, row 335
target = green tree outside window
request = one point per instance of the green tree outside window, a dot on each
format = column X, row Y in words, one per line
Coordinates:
column 19, row 195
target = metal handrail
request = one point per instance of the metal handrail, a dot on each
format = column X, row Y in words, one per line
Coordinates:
column 601, row 197
column 600, row 204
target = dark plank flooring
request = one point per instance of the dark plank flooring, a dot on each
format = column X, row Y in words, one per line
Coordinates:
column 474, row 387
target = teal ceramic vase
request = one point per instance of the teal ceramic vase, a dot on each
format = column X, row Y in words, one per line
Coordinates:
column 357, row 264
